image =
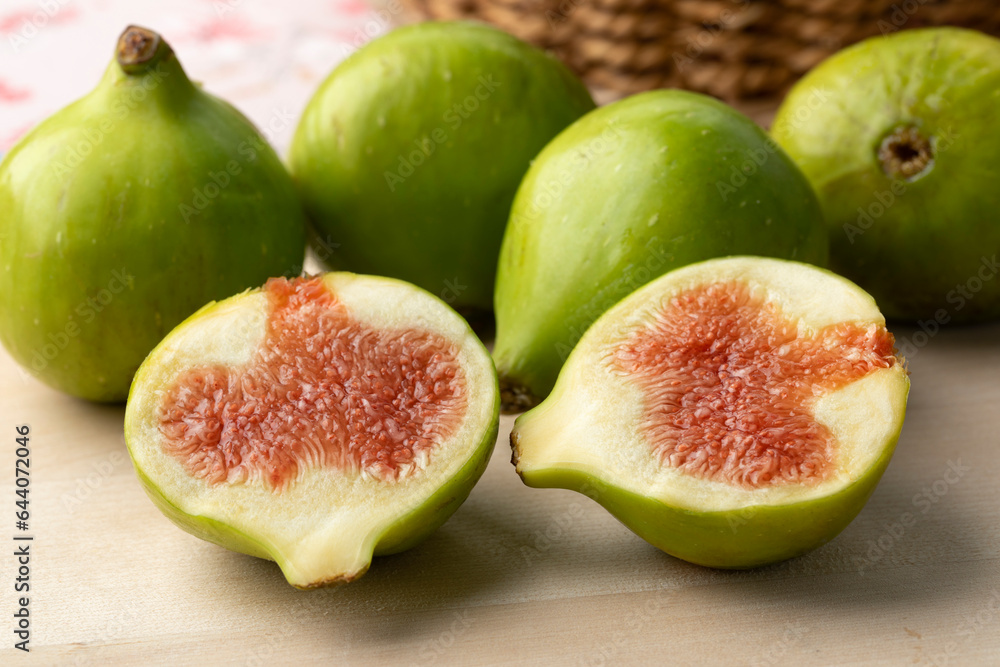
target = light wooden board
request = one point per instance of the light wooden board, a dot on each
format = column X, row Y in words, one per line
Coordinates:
column 520, row 576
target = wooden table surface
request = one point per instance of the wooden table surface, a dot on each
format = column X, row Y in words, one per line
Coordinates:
column 518, row 575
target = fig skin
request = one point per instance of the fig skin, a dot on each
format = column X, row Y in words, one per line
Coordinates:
column 108, row 242
column 360, row 153
column 625, row 194
column 404, row 534
column 729, row 540
column 546, row 439
column 342, row 561
column 923, row 243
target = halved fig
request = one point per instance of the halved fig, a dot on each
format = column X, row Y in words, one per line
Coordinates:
column 315, row 422
column 733, row 413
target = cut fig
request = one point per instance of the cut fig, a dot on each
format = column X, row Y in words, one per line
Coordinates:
column 733, row 413
column 316, row 422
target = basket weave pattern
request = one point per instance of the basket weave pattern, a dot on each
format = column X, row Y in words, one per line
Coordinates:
column 737, row 50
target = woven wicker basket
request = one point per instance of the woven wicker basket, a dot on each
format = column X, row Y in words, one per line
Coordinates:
column 738, row 50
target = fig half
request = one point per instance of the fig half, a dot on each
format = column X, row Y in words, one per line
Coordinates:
column 315, row 422
column 733, row 413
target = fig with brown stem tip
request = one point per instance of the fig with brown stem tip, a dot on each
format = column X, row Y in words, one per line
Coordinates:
column 127, row 211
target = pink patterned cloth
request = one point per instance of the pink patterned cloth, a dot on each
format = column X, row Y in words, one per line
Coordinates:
column 264, row 56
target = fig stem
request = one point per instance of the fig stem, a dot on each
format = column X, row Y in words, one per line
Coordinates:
column 139, row 49
column 515, row 398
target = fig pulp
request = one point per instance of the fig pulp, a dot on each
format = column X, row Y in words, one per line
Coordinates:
column 316, row 422
column 409, row 154
column 733, row 413
column 897, row 136
column 127, row 211
column 626, row 193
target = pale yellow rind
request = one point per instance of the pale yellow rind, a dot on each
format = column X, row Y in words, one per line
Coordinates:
column 327, row 521
column 591, row 422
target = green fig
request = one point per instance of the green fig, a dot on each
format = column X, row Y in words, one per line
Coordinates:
column 733, row 413
column 626, row 193
column 127, row 211
column 317, row 422
column 897, row 136
column 409, row 154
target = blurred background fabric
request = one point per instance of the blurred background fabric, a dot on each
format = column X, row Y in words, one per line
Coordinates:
column 263, row 56
column 268, row 56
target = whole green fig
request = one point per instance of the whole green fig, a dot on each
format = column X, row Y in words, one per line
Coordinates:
column 409, row 154
column 898, row 137
column 127, row 211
